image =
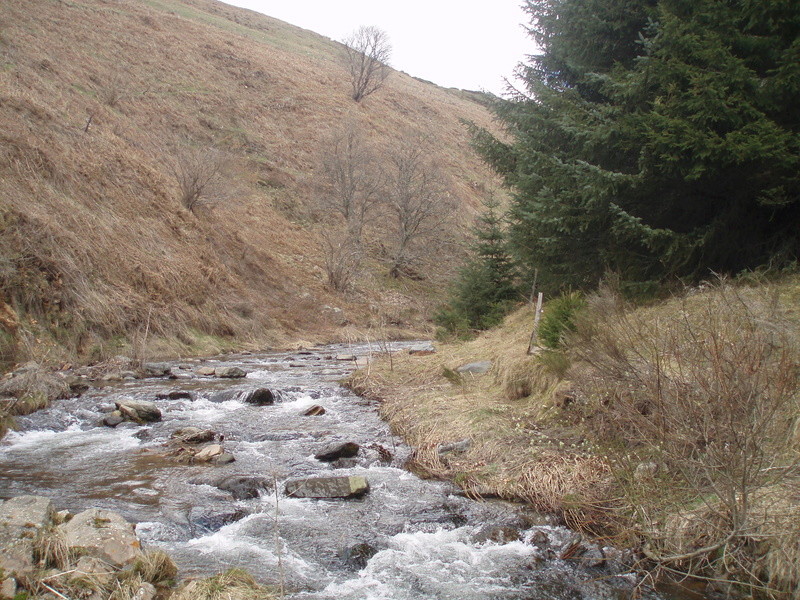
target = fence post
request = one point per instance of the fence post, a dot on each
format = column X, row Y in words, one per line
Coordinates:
column 536, row 318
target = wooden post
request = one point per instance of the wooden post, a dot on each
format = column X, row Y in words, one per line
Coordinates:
column 533, row 287
column 536, row 318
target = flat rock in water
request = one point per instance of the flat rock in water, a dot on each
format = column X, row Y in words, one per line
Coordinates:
column 327, row 487
column 476, row 368
column 229, row 372
column 208, row 452
column 112, row 419
column 345, row 357
column 176, row 395
column 338, row 450
column 223, row 459
column 102, row 534
column 139, row 410
column 314, row 411
column 224, row 396
column 193, row 435
column 206, row 371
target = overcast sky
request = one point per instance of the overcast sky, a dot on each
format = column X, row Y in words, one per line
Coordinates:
column 470, row 44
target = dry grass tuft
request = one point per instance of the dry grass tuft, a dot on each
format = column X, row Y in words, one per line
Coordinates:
column 156, row 567
column 234, row 584
column 50, row 549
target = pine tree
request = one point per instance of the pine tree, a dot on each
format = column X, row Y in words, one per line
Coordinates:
column 655, row 138
column 486, row 286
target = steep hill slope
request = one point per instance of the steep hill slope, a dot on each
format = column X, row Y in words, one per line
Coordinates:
column 100, row 100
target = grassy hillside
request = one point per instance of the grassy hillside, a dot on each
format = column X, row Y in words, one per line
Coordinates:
column 99, row 101
column 671, row 428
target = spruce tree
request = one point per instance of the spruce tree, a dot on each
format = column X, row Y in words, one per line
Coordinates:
column 655, row 138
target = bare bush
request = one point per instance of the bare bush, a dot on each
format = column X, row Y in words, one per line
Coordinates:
column 368, row 53
column 706, row 398
column 418, row 201
column 343, row 256
column 198, row 173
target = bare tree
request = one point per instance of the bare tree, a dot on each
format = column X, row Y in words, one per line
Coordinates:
column 417, row 198
column 349, row 182
column 347, row 192
column 368, row 53
column 197, row 173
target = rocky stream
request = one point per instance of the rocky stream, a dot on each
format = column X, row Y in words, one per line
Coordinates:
column 279, row 470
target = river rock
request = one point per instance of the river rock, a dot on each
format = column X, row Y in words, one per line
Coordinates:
column 113, row 419
column 259, row 397
column 314, row 411
column 244, row 487
column 99, row 570
column 176, row 395
column 357, row 556
column 476, row 368
column 21, row 518
column 193, row 435
column 102, row 534
column 208, row 452
column 229, row 372
column 206, row 371
column 224, row 396
column 496, row 533
column 139, row 410
column 156, row 369
column 223, row 459
column 327, row 487
column 338, row 450
column 345, row 357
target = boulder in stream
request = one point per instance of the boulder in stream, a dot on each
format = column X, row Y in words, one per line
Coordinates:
column 244, row 487
column 207, row 453
column 327, row 487
column 138, row 410
column 229, row 372
column 176, row 395
column 357, row 556
column 259, row 397
column 338, row 450
column 206, row 371
column 156, row 369
column 112, row 419
column 102, row 534
column 314, row 411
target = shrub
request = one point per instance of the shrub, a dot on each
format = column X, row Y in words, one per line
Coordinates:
column 559, row 318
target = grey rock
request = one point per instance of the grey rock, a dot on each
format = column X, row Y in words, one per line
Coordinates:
column 345, row 357
column 224, row 396
column 138, row 410
column 229, row 372
column 327, row 487
column 8, row 588
column 344, row 463
column 338, row 450
column 244, row 487
column 146, row 591
column 459, row 447
column 156, row 369
column 476, row 368
column 20, row 520
column 176, row 395
column 89, row 565
column 206, row 371
column 102, row 534
column 645, row 471
column 112, row 419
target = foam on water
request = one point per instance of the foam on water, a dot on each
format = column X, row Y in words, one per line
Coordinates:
column 90, row 442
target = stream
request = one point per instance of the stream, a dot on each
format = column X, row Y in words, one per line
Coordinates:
column 406, row 539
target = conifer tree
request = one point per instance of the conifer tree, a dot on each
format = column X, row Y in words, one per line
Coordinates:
column 655, row 138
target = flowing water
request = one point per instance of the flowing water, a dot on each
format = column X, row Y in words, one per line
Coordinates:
column 424, row 541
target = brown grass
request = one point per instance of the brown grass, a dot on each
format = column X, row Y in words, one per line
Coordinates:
column 95, row 247
column 704, row 387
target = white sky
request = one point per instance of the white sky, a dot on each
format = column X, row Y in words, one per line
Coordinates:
column 470, row 44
